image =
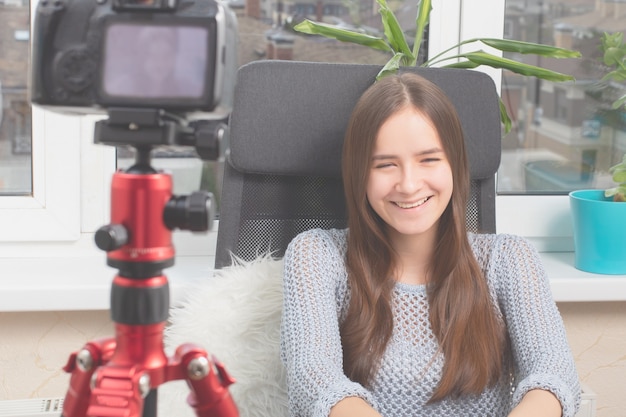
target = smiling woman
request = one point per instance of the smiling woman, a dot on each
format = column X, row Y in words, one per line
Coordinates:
column 400, row 294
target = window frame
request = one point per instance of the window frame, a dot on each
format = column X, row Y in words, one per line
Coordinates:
column 71, row 187
column 52, row 211
column 543, row 219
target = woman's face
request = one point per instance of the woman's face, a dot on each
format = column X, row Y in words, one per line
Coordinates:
column 410, row 178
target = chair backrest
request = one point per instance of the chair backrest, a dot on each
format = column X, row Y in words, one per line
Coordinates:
column 282, row 175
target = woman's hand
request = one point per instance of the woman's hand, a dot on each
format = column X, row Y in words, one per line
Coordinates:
column 538, row 403
column 352, row 407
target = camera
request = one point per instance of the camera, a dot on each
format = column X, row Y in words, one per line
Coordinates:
column 178, row 56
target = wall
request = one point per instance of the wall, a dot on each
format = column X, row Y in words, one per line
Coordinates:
column 34, row 347
column 597, row 335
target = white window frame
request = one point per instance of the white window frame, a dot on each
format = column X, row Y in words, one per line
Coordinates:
column 52, row 212
column 49, row 260
column 48, row 257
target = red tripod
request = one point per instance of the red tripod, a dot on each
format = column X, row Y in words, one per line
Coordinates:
column 120, row 376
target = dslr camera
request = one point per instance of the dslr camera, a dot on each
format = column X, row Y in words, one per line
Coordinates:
column 178, row 56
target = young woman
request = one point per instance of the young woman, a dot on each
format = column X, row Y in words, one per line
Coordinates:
column 405, row 313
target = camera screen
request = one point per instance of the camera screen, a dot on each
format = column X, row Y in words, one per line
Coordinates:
column 159, row 62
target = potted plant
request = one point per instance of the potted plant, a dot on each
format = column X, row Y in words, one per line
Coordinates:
column 598, row 215
column 599, row 227
column 403, row 54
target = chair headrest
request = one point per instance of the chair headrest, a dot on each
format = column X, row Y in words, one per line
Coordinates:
column 289, row 117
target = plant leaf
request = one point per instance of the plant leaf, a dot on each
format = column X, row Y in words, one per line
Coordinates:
column 484, row 58
column 619, row 175
column 329, row 31
column 392, row 66
column 612, row 40
column 504, row 117
column 507, row 45
column 618, row 166
column 613, row 56
column 421, row 21
column 462, row 65
column 619, row 102
column 616, row 75
column 393, row 31
column 614, row 49
column 618, row 193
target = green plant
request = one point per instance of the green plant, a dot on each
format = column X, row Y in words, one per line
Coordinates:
column 395, row 42
column 619, row 176
column 614, row 50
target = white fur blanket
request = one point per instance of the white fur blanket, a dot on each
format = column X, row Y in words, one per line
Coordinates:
column 234, row 315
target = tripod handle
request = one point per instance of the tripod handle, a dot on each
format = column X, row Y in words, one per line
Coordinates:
column 111, row 237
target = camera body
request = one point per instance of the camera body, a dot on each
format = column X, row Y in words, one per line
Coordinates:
column 176, row 55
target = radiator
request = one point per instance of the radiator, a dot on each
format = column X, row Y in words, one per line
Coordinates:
column 35, row 407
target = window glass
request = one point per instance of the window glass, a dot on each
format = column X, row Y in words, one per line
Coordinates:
column 565, row 136
column 15, row 110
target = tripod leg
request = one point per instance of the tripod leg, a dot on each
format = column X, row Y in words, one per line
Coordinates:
column 208, row 380
column 150, row 404
column 82, row 366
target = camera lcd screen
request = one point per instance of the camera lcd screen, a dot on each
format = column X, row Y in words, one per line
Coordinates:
column 146, row 63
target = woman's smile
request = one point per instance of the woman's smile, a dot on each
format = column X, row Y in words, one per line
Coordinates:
column 406, row 205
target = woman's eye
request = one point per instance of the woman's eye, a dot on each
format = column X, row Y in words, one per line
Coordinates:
column 384, row 165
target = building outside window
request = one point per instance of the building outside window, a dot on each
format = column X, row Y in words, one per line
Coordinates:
column 15, row 110
column 565, row 136
column 55, row 182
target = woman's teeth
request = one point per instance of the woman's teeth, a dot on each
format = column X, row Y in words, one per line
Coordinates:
column 411, row 205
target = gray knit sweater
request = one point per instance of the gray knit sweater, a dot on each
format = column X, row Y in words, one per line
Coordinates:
column 315, row 301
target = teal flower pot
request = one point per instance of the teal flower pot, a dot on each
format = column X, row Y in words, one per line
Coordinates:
column 599, row 232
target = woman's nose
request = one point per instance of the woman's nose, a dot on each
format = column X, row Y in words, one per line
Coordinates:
column 409, row 181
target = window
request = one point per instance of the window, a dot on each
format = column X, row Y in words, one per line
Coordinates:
column 40, row 152
column 15, row 113
column 565, row 136
column 560, row 105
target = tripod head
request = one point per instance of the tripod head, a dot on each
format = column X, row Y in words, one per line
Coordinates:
column 146, row 129
column 138, row 239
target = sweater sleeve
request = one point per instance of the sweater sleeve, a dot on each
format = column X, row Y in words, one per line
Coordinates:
column 541, row 354
column 314, row 279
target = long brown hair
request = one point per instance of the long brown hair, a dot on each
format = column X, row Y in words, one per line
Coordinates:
column 462, row 316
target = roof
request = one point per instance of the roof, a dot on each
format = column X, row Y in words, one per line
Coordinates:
column 253, row 43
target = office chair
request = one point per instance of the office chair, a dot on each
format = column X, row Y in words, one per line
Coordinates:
column 283, row 176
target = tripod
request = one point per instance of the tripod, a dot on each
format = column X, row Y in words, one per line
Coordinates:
column 119, row 376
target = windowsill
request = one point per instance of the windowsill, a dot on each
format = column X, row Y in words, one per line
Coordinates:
column 571, row 284
column 83, row 283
